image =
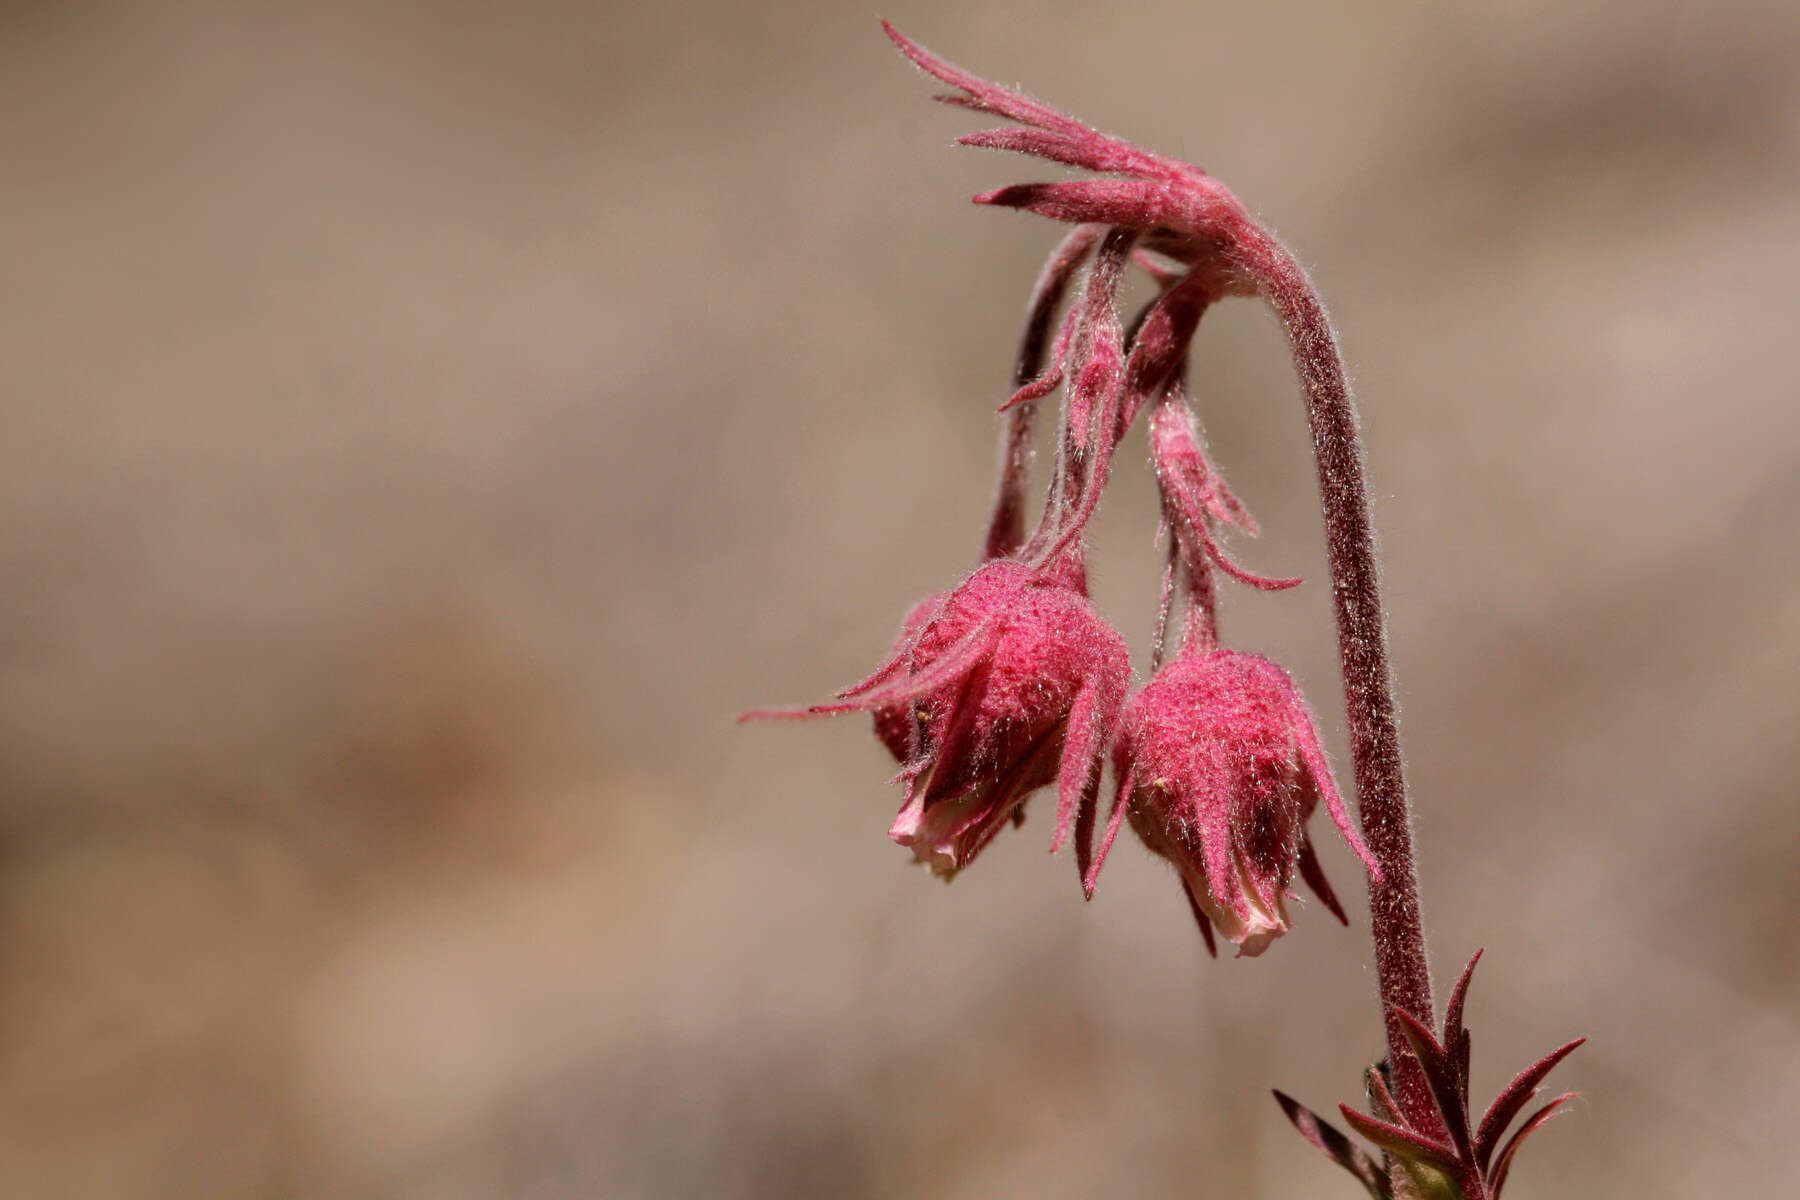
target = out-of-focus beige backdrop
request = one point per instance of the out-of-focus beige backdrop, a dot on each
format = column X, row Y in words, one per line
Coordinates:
column 427, row 424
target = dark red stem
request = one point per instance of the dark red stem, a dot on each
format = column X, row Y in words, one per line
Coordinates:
column 1400, row 962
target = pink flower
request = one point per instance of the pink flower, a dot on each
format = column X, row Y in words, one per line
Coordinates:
column 1219, row 767
column 1005, row 684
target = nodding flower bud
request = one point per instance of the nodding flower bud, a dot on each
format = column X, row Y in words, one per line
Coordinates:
column 1005, row 684
column 1219, row 767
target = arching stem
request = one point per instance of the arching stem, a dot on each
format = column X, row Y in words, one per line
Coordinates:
column 1400, row 961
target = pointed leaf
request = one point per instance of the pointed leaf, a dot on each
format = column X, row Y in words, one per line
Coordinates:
column 986, row 96
column 1200, row 919
column 1193, row 524
column 1453, row 1012
column 954, row 661
column 1121, row 799
column 1052, row 376
column 1090, row 153
column 1084, row 829
column 1401, row 1141
column 969, row 102
column 1079, row 769
column 1335, row 1146
column 983, row 96
column 1036, row 389
column 1175, row 448
column 1127, row 203
column 1188, row 487
column 1314, row 874
column 1440, row 1076
column 1380, row 1098
column 1515, row 1096
column 1313, row 755
column 901, row 656
column 1461, row 1054
column 1235, row 512
column 798, row 714
column 1503, row 1167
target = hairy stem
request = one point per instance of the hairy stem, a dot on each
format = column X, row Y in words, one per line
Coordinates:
column 1400, row 962
column 1006, row 528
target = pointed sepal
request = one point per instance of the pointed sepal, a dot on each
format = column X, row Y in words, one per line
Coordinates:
column 1503, row 1165
column 1399, row 1140
column 1515, row 1096
column 1335, row 1146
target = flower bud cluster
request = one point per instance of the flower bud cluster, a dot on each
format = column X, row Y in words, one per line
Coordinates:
column 1012, row 681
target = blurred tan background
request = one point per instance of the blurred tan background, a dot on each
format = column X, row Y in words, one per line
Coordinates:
column 426, row 425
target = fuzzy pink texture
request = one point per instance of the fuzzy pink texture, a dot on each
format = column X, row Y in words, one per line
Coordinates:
column 1219, row 767
column 1006, row 525
column 1177, row 210
column 1012, row 682
column 894, row 723
column 1090, row 358
column 1195, row 494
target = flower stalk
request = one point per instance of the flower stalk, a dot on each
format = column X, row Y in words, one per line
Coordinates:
column 1012, row 681
column 1401, row 965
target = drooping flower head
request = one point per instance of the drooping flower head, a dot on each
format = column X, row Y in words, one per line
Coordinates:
column 1218, row 766
column 1013, row 682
